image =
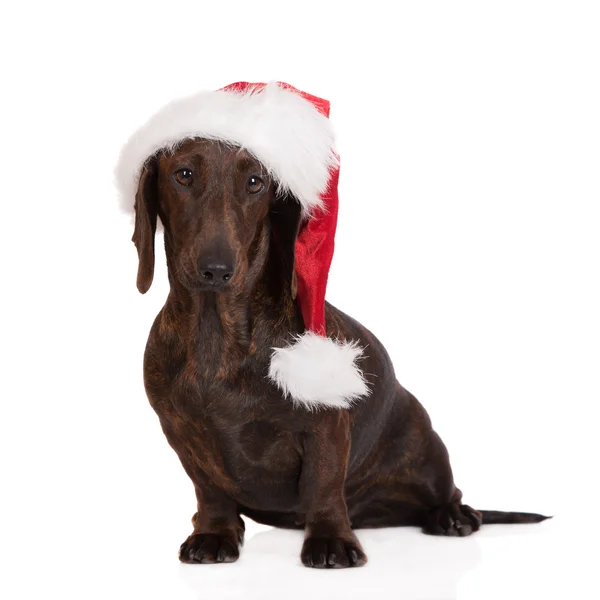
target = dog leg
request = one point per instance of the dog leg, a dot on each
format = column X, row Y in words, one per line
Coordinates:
column 218, row 529
column 446, row 515
column 329, row 541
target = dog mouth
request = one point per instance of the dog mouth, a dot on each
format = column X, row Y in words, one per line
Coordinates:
column 202, row 286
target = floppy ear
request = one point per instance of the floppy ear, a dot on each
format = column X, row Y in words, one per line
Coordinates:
column 286, row 216
column 146, row 211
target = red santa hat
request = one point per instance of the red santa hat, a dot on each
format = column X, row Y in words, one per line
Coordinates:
column 289, row 132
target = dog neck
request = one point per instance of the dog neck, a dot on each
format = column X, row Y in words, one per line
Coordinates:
column 258, row 315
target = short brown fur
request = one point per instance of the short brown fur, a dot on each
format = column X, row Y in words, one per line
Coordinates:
column 247, row 448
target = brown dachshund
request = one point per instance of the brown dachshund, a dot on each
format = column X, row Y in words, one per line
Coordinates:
column 248, row 449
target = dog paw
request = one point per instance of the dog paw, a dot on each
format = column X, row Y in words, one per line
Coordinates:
column 209, row 548
column 452, row 520
column 332, row 553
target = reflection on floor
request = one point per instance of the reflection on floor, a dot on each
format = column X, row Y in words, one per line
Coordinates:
column 519, row 561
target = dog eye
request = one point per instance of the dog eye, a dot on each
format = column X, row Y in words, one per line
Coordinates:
column 184, row 177
column 255, row 185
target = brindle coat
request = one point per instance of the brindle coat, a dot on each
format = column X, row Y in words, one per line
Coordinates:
column 229, row 244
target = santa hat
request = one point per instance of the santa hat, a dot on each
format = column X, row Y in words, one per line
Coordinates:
column 289, row 132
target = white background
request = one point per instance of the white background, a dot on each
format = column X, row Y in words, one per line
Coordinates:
column 468, row 242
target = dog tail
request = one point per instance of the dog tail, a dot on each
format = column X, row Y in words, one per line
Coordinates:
column 501, row 517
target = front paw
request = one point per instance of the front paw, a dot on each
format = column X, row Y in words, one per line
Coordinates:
column 209, row 548
column 332, row 553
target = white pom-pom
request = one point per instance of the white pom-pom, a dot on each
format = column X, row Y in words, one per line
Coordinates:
column 319, row 372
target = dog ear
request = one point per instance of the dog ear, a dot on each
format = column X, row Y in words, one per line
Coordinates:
column 286, row 216
column 146, row 211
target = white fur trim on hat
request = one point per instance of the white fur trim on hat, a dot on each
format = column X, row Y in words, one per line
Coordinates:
column 283, row 130
column 319, row 372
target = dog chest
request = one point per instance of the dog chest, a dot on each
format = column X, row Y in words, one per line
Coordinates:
column 238, row 432
column 251, row 451
column 256, row 462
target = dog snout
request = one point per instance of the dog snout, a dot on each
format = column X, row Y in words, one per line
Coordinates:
column 216, row 271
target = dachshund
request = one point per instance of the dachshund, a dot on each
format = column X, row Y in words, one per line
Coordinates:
column 229, row 239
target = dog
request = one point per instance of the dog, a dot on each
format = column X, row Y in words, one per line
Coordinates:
column 229, row 241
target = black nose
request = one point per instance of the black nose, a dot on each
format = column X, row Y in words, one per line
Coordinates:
column 216, row 273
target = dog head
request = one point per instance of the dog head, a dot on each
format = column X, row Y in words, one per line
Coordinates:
column 218, row 206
